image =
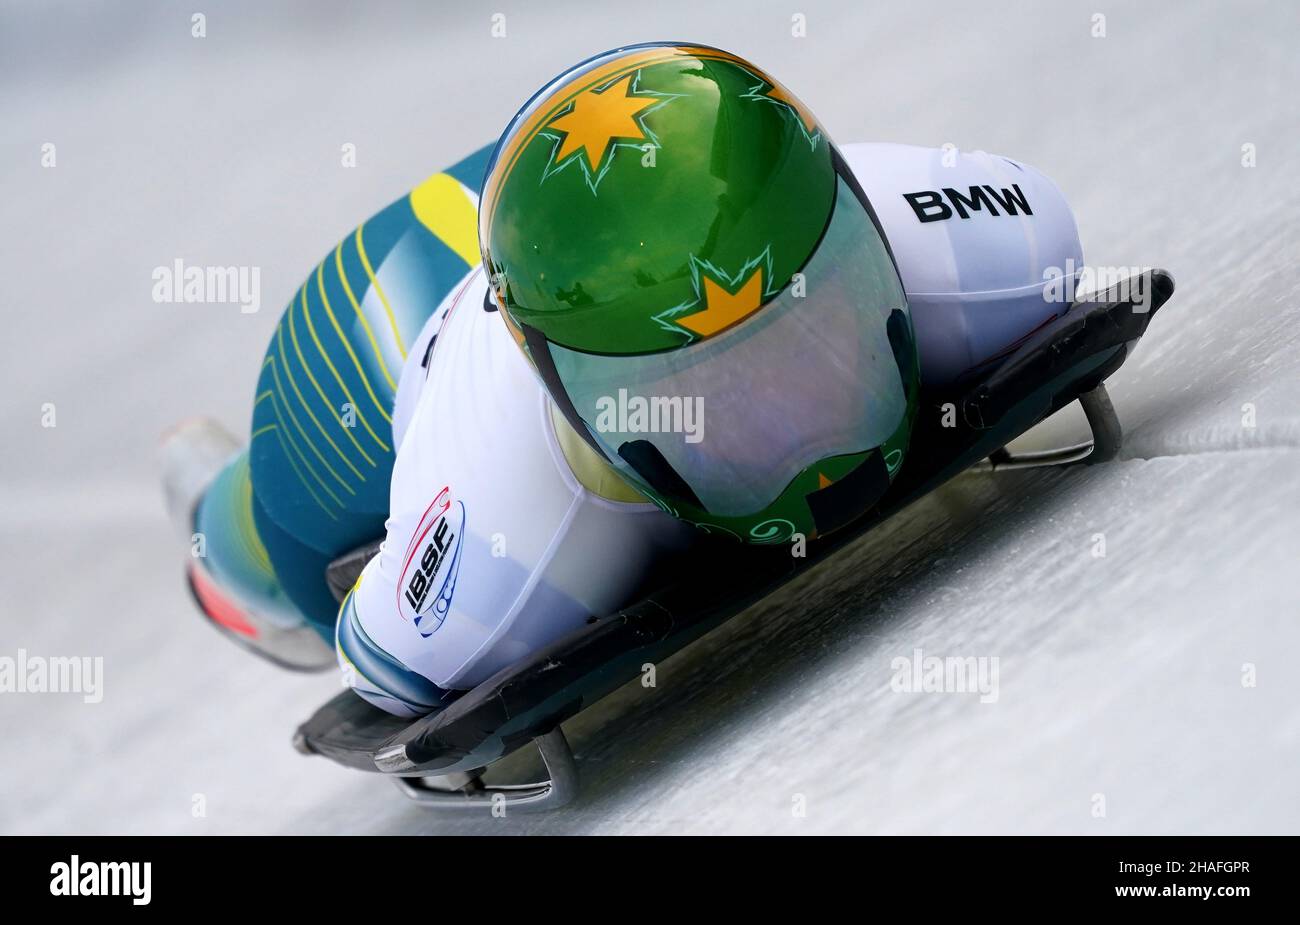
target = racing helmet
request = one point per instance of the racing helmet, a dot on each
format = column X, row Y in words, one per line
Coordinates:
column 704, row 290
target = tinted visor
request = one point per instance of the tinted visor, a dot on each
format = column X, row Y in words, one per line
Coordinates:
column 727, row 422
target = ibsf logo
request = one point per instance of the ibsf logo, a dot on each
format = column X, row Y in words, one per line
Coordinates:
column 431, row 563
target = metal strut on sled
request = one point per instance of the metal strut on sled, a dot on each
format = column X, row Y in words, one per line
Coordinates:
column 467, row 791
column 1107, row 437
column 438, row 760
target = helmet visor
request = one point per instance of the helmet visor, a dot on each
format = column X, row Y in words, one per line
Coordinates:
column 727, row 422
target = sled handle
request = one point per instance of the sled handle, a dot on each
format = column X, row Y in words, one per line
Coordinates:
column 1107, row 436
column 470, row 793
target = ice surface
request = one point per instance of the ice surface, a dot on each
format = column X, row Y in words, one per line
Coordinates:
column 1119, row 675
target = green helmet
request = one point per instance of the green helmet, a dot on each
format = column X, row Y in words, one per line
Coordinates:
column 704, row 290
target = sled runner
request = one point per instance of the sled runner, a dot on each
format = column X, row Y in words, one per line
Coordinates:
column 437, row 759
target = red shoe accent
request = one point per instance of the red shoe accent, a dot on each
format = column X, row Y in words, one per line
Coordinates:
column 219, row 608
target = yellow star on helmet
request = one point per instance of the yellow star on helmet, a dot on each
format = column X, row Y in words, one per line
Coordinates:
column 599, row 117
column 722, row 309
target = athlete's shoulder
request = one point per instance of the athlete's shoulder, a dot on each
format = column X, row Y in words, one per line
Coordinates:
column 415, row 369
column 974, row 236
